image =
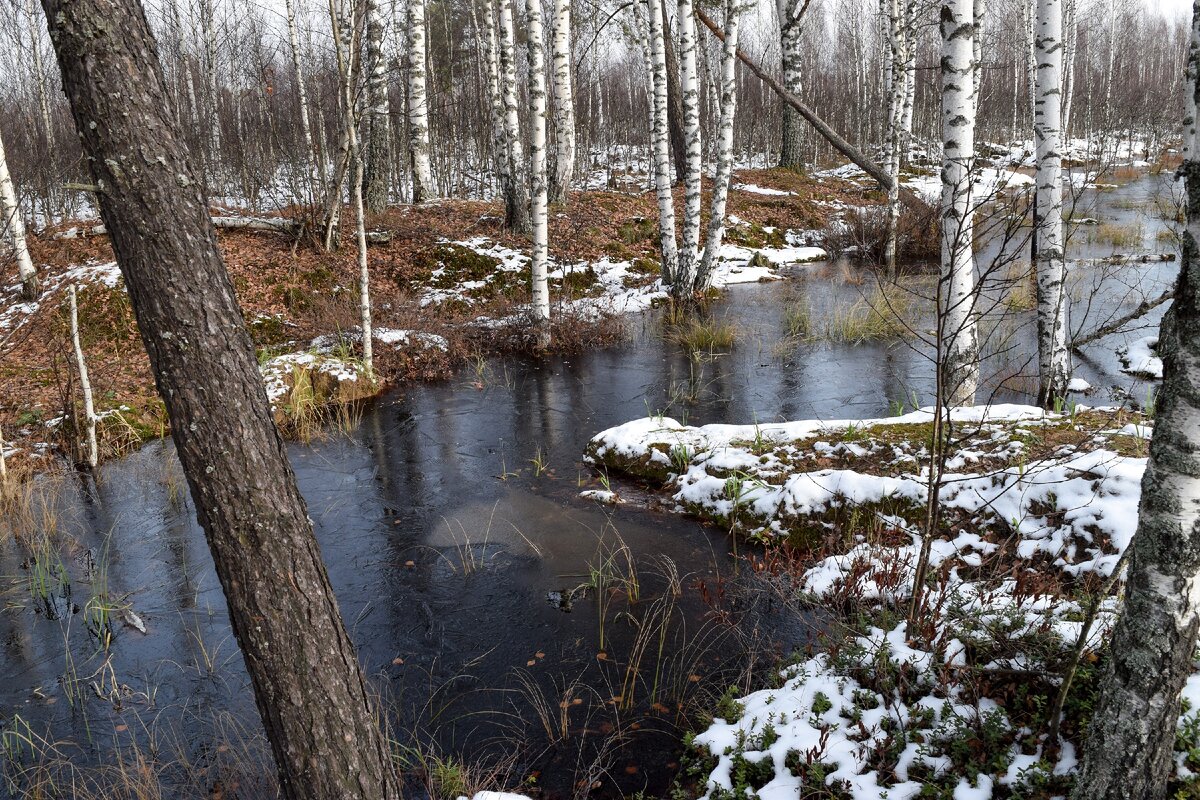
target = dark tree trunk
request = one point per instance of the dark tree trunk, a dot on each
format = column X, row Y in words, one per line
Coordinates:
column 674, row 101
column 307, row 682
column 1130, row 746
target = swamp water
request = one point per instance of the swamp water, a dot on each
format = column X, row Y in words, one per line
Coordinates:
column 513, row 628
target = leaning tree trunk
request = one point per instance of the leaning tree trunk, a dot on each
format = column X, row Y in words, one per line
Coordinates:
column 310, row 690
column 685, row 277
column 791, row 26
column 12, row 224
column 516, row 205
column 418, row 106
column 674, row 99
column 564, row 105
column 537, row 173
column 377, row 165
column 1054, row 362
column 1130, row 745
column 959, row 346
column 660, row 136
column 720, row 188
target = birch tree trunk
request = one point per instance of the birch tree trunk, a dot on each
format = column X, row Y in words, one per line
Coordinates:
column 213, row 115
column 660, row 134
column 418, row 106
column 500, row 156
column 12, row 224
column 791, row 26
column 959, row 350
column 310, row 690
column 3, row 467
column 378, row 166
column 345, row 74
column 897, row 60
column 537, row 168
column 910, row 80
column 564, row 105
column 685, row 278
column 1054, row 365
column 314, row 179
column 720, row 189
column 674, row 99
column 516, row 206
column 92, row 455
column 1070, row 36
column 1130, row 744
column 979, row 9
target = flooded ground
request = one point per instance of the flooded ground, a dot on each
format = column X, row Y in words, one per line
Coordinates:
column 510, row 625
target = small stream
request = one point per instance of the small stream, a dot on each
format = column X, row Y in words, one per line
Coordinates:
column 507, row 622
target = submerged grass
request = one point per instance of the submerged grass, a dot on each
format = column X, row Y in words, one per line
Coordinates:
column 873, row 317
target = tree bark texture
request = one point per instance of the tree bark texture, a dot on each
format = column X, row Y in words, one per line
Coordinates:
column 307, row 682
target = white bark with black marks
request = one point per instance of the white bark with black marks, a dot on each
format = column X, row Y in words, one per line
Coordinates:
column 724, row 171
column 958, row 342
column 1130, row 745
column 564, row 104
column 689, row 86
column 537, row 168
column 516, row 213
column 418, row 106
column 378, row 167
column 91, row 454
column 314, row 180
column 791, row 28
column 1054, row 361
column 13, row 225
column 661, row 142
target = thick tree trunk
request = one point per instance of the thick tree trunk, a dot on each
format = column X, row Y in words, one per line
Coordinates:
column 12, row 225
column 959, row 349
column 418, row 106
column 685, row 277
column 1054, row 361
column 791, row 26
column 720, row 189
column 1130, row 744
column 307, row 681
column 516, row 206
column 660, row 136
column 377, row 181
column 674, row 100
column 537, row 173
column 564, row 105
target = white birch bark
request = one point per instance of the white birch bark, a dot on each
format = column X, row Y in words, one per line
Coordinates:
column 958, row 344
column 791, row 26
column 897, row 58
column 1130, row 745
column 517, row 205
column 1053, row 360
column 720, row 188
column 3, row 463
column 1070, row 37
column 314, row 180
column 564, row 104
column 495, row 101
column 418, row 106
column 350, row 135
column 12, row 224
column 979, row 9
column 537, row 168
column 377, row 189
column 660, row 136
column 207, row 14
column 689, row 85
column 910, row 79
column 85, row 384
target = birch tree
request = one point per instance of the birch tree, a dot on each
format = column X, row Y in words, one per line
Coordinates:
column 418, row 106
column 1054, row 366
column 91, row 455
column 378, row 155
column 310, row 689
column 314, row 181
column 720, row 190
column 1130, row 745
column 685, row 278
column 959, row 350
column 516, row 206
column 564, row 104
column 897, row 50
column 791, row 27
column 537, row 170
column 660, row 135
column 12, row 224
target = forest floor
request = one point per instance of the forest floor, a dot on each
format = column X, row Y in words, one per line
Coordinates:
column 449, row 285
column 1036, row 512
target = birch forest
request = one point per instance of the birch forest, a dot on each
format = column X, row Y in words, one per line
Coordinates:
column 573, row 399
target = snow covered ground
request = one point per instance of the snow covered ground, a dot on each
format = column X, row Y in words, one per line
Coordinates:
column 1038, row 509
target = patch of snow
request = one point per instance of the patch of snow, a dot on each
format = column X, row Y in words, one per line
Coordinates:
column 1139, row 358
